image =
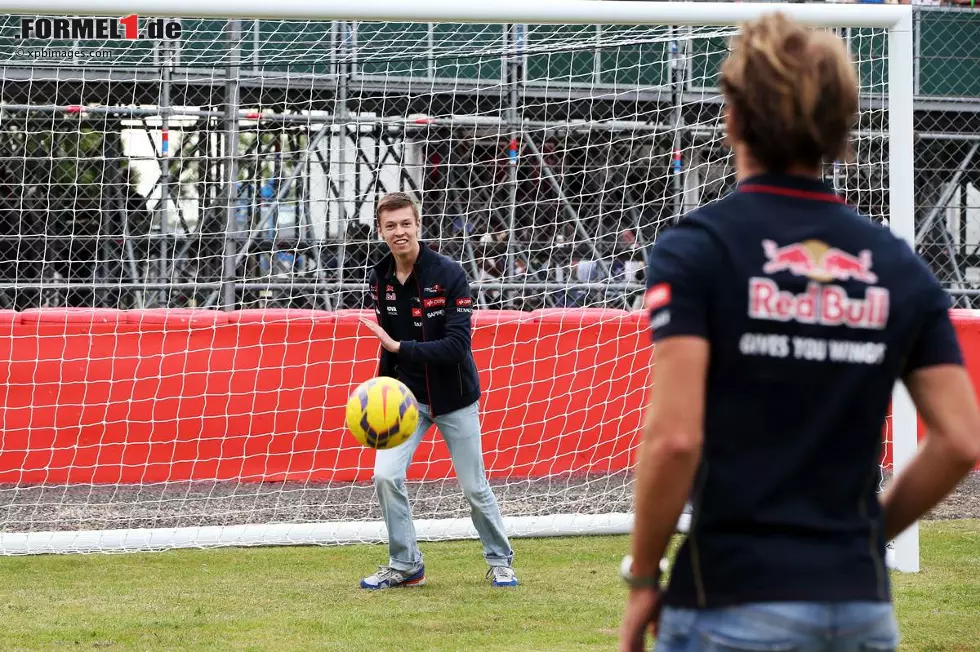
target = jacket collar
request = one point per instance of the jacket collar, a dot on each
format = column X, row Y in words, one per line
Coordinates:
column 386, row 267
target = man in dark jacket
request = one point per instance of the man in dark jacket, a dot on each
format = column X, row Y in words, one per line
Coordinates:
column 423, row 305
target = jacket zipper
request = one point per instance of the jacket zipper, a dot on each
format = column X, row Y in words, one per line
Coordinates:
column 425, row 365
column 381, row 316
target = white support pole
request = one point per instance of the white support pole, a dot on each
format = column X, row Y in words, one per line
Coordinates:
column 901, row 173
column 299, row 534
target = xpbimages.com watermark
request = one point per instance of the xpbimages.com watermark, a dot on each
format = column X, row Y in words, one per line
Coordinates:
column 62, row 54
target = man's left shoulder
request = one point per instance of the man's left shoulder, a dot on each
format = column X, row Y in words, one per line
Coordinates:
column 446, row 265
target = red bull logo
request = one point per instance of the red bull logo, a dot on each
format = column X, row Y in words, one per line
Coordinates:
column 818, row 261
column 827, row 305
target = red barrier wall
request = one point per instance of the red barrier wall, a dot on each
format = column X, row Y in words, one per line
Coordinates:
column 108, row 396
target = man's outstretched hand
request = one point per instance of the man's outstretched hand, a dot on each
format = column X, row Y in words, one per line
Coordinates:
column 386, row 341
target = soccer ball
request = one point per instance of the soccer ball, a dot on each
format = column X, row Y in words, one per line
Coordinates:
column 382, row 413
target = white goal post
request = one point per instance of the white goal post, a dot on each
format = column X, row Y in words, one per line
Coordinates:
column 890, row 95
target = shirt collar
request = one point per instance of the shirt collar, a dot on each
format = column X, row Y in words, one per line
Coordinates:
column 789, row 185
column 391, row 269
column 391, row 264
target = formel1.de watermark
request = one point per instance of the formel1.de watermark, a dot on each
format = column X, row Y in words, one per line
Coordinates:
column 128, row 28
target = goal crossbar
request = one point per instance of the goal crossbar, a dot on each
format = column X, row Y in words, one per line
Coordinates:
column 613, row 12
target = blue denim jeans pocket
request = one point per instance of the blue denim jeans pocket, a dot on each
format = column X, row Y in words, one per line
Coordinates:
column 780, row 627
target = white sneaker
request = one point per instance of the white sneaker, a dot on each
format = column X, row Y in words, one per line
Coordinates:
column 502, row 576
column 388, row 578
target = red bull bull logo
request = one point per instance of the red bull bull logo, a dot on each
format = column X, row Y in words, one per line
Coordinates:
column 818, row 261
column 827, row 305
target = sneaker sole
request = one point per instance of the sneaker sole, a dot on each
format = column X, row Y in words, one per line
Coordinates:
column 412, row 583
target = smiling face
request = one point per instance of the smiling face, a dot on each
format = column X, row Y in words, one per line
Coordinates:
column 400, row 229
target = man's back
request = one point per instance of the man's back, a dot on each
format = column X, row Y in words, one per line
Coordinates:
column 812, row 312
column 782, row 320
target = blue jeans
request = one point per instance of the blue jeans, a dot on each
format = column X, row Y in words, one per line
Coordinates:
column 782, row 626
column 461, row 432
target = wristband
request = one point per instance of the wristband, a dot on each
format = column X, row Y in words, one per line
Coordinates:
column 649, row 581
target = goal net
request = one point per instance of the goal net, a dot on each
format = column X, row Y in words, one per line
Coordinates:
column 188, row 228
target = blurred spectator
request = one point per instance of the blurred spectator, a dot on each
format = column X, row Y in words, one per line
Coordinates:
column 628, row 238
column 490, row 271
column 357, row 261
column 637, row 275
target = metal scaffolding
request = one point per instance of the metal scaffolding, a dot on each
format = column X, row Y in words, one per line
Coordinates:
column 510, row 184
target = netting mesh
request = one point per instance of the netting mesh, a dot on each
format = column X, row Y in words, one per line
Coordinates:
column 238, row 167
column 947, row 170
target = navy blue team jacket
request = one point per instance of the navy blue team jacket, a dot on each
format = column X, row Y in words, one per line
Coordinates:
column 441, row 309
column 811, row 312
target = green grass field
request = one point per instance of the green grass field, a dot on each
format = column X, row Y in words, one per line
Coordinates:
column 306, row 598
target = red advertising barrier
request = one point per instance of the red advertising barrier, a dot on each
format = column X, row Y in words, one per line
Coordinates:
column 105, row 396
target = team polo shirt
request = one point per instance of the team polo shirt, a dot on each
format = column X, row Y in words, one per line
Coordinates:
column 405, row 313
column 811, row 312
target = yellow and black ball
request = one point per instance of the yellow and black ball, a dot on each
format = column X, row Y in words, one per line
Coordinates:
column 382, row 413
